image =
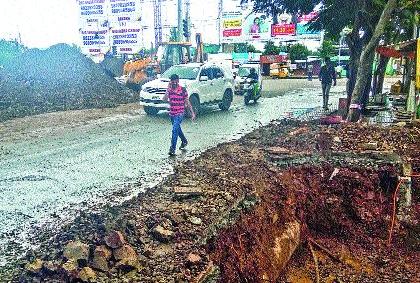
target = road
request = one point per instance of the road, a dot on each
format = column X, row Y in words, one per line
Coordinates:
column 55, row 165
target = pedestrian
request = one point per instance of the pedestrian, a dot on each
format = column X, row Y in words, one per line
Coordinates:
column 327, row 76
column 310, row 72
column 177, row 97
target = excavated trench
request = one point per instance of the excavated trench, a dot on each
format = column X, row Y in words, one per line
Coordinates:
column 347, row 207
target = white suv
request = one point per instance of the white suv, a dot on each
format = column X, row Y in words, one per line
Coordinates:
column 205, row 83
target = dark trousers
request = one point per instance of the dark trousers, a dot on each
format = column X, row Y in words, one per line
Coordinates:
column 325, row 94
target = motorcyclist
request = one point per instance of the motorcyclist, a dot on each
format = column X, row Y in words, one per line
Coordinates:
column 254, row 77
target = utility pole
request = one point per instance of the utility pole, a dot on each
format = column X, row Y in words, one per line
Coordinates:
column 179, row 20
column 219, row 27
column 188, row 19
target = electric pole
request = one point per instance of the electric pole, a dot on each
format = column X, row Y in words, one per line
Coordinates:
column 179, row 20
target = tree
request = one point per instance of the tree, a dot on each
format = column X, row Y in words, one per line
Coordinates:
column 174, row 34
column 271, row 49
column 9, row 50
column 327, row 49
column 298, row 52
column 365, row 64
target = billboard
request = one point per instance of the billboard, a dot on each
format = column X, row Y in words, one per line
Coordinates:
column 110, row 24
column 257, row 27
column 303, row 32
column 232, row 26
column 283, row 29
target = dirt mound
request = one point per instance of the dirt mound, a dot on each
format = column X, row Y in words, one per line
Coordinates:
column 58, row 78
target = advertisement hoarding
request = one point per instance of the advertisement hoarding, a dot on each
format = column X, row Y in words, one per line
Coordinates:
column 283, row 29
column 127, row 37
column 231, row 26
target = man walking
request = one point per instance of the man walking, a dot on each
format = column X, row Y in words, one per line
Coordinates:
column 178, row 99
column 327, row 76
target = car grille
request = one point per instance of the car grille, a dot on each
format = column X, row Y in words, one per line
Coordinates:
column 155, row 90
column 152, row 101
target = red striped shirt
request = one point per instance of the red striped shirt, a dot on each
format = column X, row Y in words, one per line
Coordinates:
column 177, row 99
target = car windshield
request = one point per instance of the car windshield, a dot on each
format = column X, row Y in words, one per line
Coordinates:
column 184, row 72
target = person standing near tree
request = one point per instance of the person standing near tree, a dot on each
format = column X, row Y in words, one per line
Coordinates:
column 327, row 76
column 177, row 97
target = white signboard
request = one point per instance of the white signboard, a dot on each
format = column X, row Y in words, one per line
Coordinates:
column 127, row 37
column 94, row 40
column 124, row 10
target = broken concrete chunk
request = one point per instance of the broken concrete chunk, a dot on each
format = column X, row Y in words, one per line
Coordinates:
column 115, row 240
column 76, row 250
column 70, row 267
column 187, row 192
column 162, row 234
column 34, row 267
column 278, row 150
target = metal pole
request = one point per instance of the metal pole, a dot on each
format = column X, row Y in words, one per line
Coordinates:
column 179, row 20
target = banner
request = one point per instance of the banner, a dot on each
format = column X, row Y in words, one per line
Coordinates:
column 283, row 29
column 127, row 37
column 308, row 17
column 231, row 26
column 124, row 10
column 303, row 32
column 94, row 40
column 257, row 27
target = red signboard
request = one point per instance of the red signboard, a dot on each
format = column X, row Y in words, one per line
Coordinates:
column 271, row 59
column 283, row 29
column 232, row 32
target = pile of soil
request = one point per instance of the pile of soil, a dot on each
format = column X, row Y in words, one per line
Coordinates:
column 58, row 78
column 217, row 218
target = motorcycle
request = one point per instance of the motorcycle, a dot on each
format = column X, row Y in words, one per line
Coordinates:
column 251, row 90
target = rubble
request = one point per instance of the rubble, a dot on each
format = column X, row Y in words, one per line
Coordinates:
column 257, row 214
column 115, row 240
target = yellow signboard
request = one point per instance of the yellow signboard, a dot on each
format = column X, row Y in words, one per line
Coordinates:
column 236, row 23
column 418, row 64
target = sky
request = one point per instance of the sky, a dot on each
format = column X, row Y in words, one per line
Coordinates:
column 42, row 23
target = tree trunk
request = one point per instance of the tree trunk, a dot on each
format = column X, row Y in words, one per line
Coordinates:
column 365, row 65
column 368, row 85
column 380, row 75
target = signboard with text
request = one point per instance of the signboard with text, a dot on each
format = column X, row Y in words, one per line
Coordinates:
column 127, row 37
column 283, row 29
column 231, row 26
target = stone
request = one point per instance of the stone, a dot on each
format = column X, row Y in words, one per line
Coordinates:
column 101, row 256
column 337, row 139
column 195, row 220
column 87, row 275
column 162, row 234
column 51, row 267
column 70, row 268
column 193, row 259
column 76, row 250
column 115, row 240
column 34, row 267
column 187, row 192
column 127, row 258
column 125, row 252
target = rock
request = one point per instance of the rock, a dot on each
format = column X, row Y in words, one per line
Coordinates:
column 34, row 267
column 337, row 139
column 193, row 259
column 70, row 268
column 127, row 258
column 115, row 240
column 162, row 234
column 87, row 275
column 51, row 267
column 125, row 252
column 101, row 257
column 76, row 251
column 195, row 220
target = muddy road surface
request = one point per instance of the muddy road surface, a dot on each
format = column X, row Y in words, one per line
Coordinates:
column 55, row 165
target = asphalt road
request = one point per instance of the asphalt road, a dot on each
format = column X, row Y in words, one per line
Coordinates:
column 55, row 165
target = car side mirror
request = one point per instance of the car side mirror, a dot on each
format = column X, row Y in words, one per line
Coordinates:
column 204, row 78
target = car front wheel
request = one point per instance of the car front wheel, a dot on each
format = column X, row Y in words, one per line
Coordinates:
column 226, row 100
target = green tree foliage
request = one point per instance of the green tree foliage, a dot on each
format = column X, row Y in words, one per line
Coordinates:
column 9, row 50
column 174, row 35
column 327, row 49
column 298, row 52
column 271, row 49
